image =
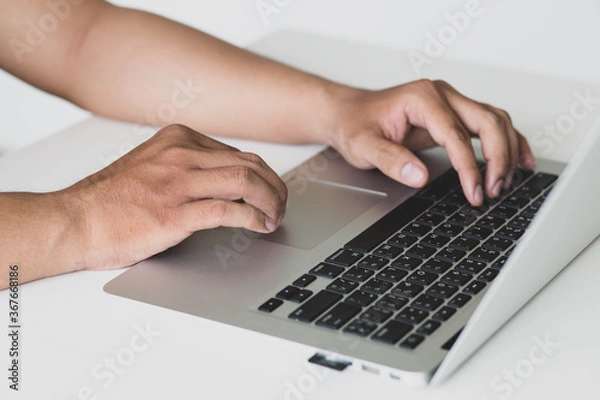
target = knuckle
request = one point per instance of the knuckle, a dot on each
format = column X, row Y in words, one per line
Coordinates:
column 427, row 85
column 493, row 120
column 243, row 175
column 217, row 211
column 251, row 158
column 442, row 83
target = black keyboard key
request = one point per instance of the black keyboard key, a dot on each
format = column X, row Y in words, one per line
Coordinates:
column 449, row 230
column 361, row 298
column 462, row 219
column 437, row 189
column 448, row 345
column 391, row 275
column 475, row 287
column 469, row 266
column 459, row 300
column 417, row 230
column 422, row 277
column 488, row 275
column 456, row 278
column 420, row 251
column 427, row 303
column 270, row 305
column 392, row 332
column 532, row 210
column 408, row 263
column 343, row 286
column 499, row 263
column 360, row 328
column 456, row 198
column 326, row 270
column 344, row 257
column 430, row 219
column 474, row 211
column 412, row 342
column 477, row 232
column 390, row 223
column 491, row 222
column 504, row 212
column 515, row 202
column 358, row 274
column 376, row 315
column 376, row 286
column 441, row 289
column 444, row 209
column 315, row 306
column 444, row 314
column 412, row 315
column 402, row 240
column 338, row 316
column 536, row 185
column 497, row 243
column 435, row 240
column 407, row 289
column 520, row 175
column 304, row 280
column 464, row 243
column 391, row 302
column 510, row 232
column 484, row 255
column 436, row 266
column 520, row 222
column 451, row 255
column 372, row 262
column 301, row 296
column 428, row 327
column 287, row 293
column 388, row 251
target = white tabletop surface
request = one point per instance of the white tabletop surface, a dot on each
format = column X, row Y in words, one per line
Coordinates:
column 71, row 328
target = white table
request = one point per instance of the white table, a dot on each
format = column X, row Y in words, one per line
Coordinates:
column 72, row 329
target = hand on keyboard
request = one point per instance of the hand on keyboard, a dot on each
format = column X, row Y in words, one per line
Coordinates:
column 384, row 127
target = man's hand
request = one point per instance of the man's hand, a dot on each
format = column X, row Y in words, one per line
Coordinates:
column 176, row 183
column 381, row 129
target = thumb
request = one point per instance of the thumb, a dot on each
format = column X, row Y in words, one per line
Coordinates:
column 393, row 159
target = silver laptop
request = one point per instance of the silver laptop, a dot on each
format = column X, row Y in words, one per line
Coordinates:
column 375, row 276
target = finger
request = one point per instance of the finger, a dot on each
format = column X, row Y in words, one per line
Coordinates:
column 213, row 213
column 447, row 130
column 526, row 157
column 392, row 159
column 418, row 139
column 220, row 159
column 235, row 183
column 498, row 138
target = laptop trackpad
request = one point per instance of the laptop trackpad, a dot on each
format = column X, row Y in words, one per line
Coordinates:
column 317, row 209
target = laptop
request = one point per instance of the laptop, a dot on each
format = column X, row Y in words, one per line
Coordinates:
column 379, row 277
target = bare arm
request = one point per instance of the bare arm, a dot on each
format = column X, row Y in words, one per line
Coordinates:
column 139, row 67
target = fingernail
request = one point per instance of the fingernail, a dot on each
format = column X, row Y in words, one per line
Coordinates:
column 270, row 224
column 412, row 175
column 529, row 162
column 497, row 188
column 509, row 179
column 478, row 194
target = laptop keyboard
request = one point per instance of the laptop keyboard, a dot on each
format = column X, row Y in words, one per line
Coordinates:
column 403, row 277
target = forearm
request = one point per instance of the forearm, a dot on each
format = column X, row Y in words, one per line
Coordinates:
column 39, row 235
column 132, row 66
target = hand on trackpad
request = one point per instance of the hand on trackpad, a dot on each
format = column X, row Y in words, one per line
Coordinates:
column 316, row 210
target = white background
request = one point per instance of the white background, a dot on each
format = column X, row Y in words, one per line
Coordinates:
column 551, row 37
